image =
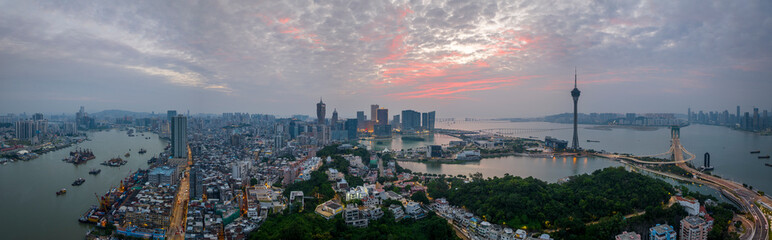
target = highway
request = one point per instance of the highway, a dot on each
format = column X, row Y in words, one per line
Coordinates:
column 733, row 190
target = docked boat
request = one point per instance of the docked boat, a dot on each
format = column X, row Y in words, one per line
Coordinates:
column 60, row 192
column 115, row 162
column 152, row 160
column 754, row 152
column 95, row 171
column 78, row 182
column 79, row 156
column 142, row 151
column 764, row 157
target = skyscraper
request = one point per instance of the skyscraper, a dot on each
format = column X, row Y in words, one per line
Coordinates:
column 374, row 113
column 575, row 94
column 383, row 116
column 179, row 136
column 321, row 111
column 739, row 119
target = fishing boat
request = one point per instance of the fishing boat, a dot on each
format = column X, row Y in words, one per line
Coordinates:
column 764, row 157
column 95, row 171
column 768, row 165
column 127, row 155
column 60, row 192
column 756, row 151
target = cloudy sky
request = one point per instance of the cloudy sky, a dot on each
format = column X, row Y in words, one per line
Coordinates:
column 461, row 58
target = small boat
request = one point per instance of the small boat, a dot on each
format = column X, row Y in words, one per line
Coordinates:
column 127, row 155
column 754, row 152
column 95, row 171
column 78, row 182
column 768, row 165
column 142, row 151
column 764, row 157
column 60, row 192
column 592, row 140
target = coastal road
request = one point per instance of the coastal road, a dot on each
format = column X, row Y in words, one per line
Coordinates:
column 746, row 198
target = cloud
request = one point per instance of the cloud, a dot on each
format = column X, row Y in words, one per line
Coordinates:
column 393, row 50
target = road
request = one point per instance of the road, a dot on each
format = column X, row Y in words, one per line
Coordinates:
column 179, row 212
column 735, row 191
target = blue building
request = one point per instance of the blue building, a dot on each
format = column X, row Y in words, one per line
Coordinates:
column 662, row 232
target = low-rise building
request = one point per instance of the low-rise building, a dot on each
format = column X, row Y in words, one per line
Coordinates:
column 628, row 236
column 662, row 232
column 329, row 209
column 354, row 217
column 397, row 211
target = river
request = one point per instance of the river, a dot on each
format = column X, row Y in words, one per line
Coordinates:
column 29, row 205
column 729, row 150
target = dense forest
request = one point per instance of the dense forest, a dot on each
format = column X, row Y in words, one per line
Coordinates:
column 534, row 204
column 311, row 226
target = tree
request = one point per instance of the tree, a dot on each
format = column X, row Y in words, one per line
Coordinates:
column 253, row 181
column 420, row 196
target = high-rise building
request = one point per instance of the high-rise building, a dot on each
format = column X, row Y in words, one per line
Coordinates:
column 26, row 129
column 170, row 114
column 396, row 124
column 361, row 119
column 411, row 120
column 739, row 121
column 756, row 122
column 424, row 121
column 430, row 116
column 321, row 111
column 374, row 113
column 351, row 126
column 694, row 228
column 179, row 136
column 575, row 95
column 383, row 116
column 196, row 182
column 334, row 119
column 747, row 122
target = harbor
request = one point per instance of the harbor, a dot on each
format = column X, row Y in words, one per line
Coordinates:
column 37, row 205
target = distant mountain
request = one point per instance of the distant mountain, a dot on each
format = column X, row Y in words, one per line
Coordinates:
column 114, row 113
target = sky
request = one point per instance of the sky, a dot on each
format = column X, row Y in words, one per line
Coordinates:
column 461, row 58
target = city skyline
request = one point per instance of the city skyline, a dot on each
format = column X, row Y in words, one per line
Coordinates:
column 276, row 57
